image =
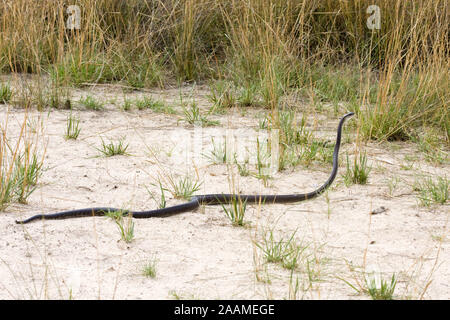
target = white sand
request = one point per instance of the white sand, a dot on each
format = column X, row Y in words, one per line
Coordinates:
column 199, row 254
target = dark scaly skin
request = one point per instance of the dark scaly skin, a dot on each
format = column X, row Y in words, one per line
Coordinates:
column 206, row 199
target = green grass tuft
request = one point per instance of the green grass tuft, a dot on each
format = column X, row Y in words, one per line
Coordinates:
column 5, row 93
column 91, row 103
column 72, row 127
column 112, row 149
column 432, row 191
column 359, row 172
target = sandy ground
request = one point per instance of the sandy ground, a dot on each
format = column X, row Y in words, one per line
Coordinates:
column 200, row 255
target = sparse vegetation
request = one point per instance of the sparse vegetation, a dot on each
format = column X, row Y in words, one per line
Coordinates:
column 20, row 166
column 392, row 185
column 149, row 269
column 125, row 225
column 5, row 93
column 283, row 250
column 181, row 188
column 127, row 103
column 236, row 211
column 248, row 96
column 26, row 174
column 432, row 191
column 193, row 115
column 359, row 172
column 263, row 158
column 430, row 144
column 393, row 77
column 162, row 202
column 186, row 187
column 301, row 63
column 372, row 284
column 148, row 102
column 89, row 102
column 221, row 96
column 219, row 152
column 243, row 168
column 379, row 288
column 113, row 149
column 73, row 127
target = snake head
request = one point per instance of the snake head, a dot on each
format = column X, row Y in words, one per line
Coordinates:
column 348, row 115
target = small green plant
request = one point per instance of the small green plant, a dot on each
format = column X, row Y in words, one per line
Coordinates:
column 326, row 152
column 73, row 127
column 432, row 191
column 112, row 149
column 408, row 163
column 149, row 269
column 35, row 125
column 186, row 187
column 27, row 171
column 19, row 170
column 54, row 97
column 371, row 283
column 393, row 184
column 194, row 116
column 263, row 123
column 183, row 296
column 278, row 250
column 180, row 188
column 294, row 287
column 6, row 190
column 380, row 289
column 219, row 153
column 296, row 141
column 175, row 295
column 430, row 144
column 272, row 83
column 162, row 202
column 126, row 228
column 91, row 103
column 236, row 211
column 249, row 96
column 5, row 93
column 221, row 96
column 293, row 132
column 290, row 157
column 262, row 162
column 308, row 153
column 313, row 270
column 127, row 104
column 243, row 168
column 359, row 173
column 148, row 102
column 293, row 253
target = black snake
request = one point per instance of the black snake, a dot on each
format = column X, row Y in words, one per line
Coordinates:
column 206, row 199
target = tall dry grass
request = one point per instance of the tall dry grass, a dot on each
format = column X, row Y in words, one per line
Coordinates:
column 21, row 161
column 395, row 78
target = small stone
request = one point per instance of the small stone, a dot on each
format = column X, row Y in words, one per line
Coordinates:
column 379, row 210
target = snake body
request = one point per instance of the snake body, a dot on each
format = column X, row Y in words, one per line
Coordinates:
column 206, row 199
